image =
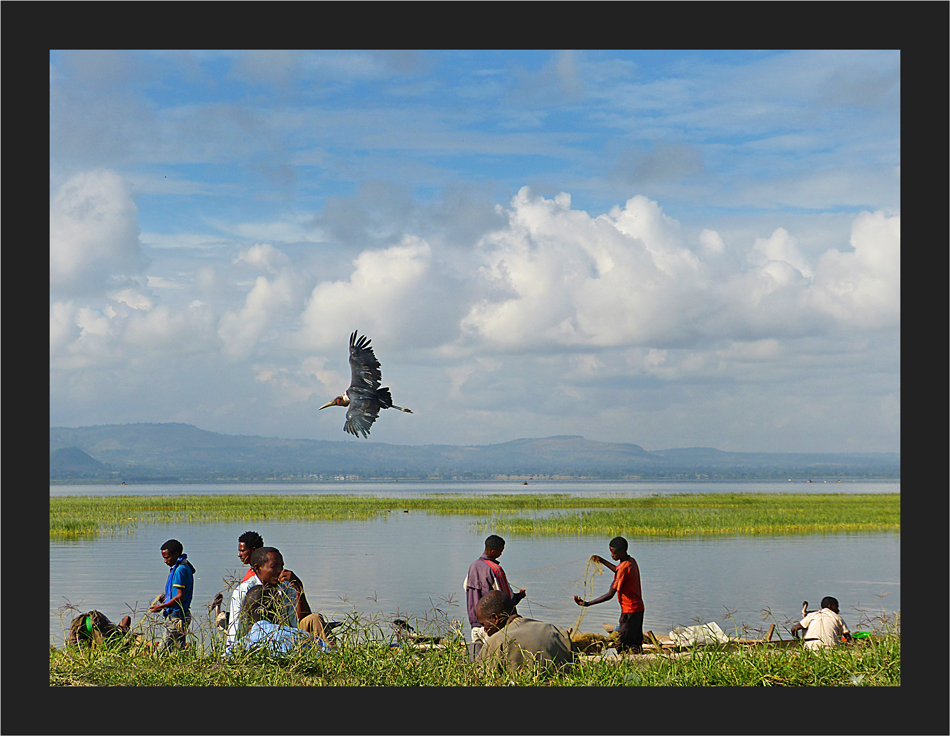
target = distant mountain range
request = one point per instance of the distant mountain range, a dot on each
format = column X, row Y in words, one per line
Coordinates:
column 181, row 452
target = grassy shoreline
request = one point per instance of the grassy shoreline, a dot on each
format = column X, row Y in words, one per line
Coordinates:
column 873, row 662
column 658, row 515
column 870, row 662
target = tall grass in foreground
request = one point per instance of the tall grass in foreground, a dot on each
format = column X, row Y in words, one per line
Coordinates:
column 363, row 653
column 661, row 515
column 871, row 662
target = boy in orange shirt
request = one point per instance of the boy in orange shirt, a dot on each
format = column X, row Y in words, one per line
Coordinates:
column 626, row 583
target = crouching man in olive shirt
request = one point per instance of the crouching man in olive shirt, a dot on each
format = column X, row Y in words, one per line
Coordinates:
column 515, row 641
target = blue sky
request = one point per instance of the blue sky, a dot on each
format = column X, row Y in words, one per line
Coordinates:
column 679, row 248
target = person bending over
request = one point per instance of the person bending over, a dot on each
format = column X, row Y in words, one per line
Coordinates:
column 516, row 642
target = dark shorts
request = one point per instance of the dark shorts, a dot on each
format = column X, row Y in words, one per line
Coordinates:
column 630, row 632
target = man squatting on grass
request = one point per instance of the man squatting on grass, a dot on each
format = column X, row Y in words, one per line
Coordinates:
column 514, row 641
column 268, row 566
column 824, row 628
column 263, row 625
column 626, row 586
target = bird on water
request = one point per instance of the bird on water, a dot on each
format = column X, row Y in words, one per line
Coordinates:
column 364, row 398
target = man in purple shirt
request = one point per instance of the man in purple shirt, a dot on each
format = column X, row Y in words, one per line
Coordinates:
column 485, row 574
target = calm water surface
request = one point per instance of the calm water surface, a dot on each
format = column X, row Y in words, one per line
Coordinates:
column 413, row 564
column 411, row 488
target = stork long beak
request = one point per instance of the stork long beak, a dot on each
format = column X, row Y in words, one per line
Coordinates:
column 343, row 400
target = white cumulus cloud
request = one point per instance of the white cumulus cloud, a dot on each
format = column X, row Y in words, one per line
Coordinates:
column 861, row 287
column 559, row 276
column 381, row 296
column 556, row 276
column 268, row 301
column 94, row 233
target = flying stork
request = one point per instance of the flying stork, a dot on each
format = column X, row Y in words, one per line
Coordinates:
column 364, row 397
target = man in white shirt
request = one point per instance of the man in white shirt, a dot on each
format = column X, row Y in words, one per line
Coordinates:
column 264, row 608
column 268, row 566
column 824, row 628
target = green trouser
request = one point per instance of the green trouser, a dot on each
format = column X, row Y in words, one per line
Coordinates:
column 175, row 631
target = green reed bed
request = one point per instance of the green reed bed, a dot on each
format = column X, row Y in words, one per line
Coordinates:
column 722, row 514
column 660, row 515
column 72, row 515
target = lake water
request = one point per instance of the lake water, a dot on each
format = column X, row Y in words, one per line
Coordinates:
column 413, row 564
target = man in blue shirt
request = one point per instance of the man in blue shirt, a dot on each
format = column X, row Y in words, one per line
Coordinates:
column 175, row 602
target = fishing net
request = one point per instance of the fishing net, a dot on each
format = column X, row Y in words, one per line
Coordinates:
column 592, row 570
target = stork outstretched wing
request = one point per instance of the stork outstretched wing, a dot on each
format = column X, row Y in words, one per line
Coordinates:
column 365, row 395
column 361, row 413
column 364, row 398
column 364, row 368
